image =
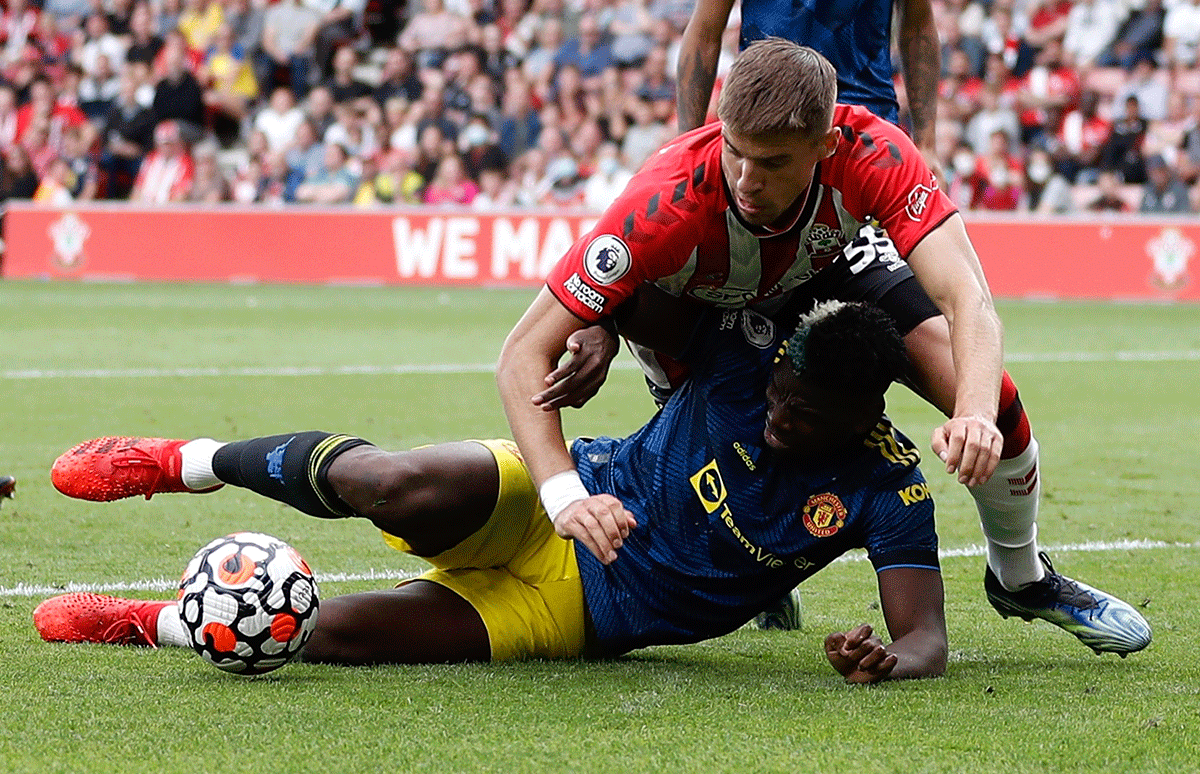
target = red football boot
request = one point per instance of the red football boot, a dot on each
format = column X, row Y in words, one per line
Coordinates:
column 85, row 617
column 116, row 467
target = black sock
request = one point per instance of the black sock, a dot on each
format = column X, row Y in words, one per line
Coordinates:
column 289, row 468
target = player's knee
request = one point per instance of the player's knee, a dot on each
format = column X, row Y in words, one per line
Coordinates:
column 378, row 483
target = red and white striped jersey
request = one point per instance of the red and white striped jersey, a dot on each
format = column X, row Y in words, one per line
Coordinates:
column 674, row 224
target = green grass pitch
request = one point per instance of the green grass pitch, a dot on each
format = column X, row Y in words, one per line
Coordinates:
column 1113, row 391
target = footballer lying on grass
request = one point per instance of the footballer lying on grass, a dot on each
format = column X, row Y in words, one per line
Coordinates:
column 775, row 459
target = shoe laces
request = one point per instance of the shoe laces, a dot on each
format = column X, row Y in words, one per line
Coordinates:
column 135, row 458
column 1064, row 591
column 129, row 629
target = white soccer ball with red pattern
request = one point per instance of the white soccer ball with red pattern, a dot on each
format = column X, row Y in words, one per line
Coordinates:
column 248, row 603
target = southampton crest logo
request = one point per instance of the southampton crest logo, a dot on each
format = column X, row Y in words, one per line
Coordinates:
column 824, row 515
column 1170, row 252
column 606, row 259
column 68, row 233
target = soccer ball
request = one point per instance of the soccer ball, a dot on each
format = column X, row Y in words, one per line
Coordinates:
column 248, row 603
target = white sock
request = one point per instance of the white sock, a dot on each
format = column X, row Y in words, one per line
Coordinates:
column 170, row 628
column 1008, row 508
column 196, row 471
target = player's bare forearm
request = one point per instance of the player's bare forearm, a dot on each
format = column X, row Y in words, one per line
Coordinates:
column 530, row 352
column 700, row 48
column 912, row 599
column 921, row 60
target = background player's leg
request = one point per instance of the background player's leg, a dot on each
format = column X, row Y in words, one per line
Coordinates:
column 418, row 623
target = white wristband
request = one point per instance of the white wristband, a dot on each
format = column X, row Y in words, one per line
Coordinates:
column 560, row 490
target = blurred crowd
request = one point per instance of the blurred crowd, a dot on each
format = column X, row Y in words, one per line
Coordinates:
column 1045, row 105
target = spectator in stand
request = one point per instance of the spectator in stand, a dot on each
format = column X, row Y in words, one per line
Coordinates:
column 1047, row 92
column 398, row 78
column 397, row 182
column 178, row 96
column 496, row 191
column 1091, row 26
column 497, row 59
column 645, row 135
column 335, row 183
column 1139, row 37
column 432, row 146
column 54, row 44
column 128, row 137
column 1081, row 139
column 98, row 41
column 1108, row 198
column 246, row 20
column 959, row 88
column 98, row 90
column 342, row 84
column 1046, row 191
column 67, row 13
column 209, row 185
column 120, row 15
column 18, row 180
column 17, row 28
column 478, row 146
column 289, row 29
column 166, row 20
column 166, row 173
column 631, row 27
column 1047, row 22
column 433, row 33
column 588, row 51
column 277, row 181
column 585, row 146
column 657, row 86
column 200, row 21
column 55, row 114
column 1189, row 158
column 609, row 179
column 1150, row 87
column 353, row 131
column 279, row 119
column 1001, row 35
column 1122, row 151
column 54, row 188
column 144, row 44
column 999, row 176
column 229, row 85
column 8, row 116
column 1163, row 192
column 519, row 124
column 450, row 184
column 538, row 66
column 306, row 155
column 1181, row 33
column 529, row 174
column 992, row 116
column 1165, row 137
column 84, row 174
column 319, row 109
column 566, row 184
column 341, row 25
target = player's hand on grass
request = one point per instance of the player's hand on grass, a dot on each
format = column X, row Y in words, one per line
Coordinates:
column 600, row 522
column 969, row 446
column 859, row 655
column 576, row 381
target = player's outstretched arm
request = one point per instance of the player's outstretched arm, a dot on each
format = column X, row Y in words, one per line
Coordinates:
column 698, row 55
column 948, row 269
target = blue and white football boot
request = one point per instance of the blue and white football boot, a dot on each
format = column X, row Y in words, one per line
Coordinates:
column 1101, row 621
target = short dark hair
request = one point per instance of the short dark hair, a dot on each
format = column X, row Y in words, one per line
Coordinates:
column 847, row 347
column 779, row 86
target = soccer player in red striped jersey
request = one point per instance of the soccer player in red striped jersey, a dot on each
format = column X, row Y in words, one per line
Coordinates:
column 783, row 194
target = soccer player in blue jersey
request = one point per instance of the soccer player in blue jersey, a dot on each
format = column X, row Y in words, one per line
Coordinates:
column 768, row 465
column 854, row 35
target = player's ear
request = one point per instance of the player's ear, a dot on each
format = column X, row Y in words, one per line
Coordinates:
column 828, row 142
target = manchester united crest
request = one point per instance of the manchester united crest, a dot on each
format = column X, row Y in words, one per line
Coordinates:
column 824, row 515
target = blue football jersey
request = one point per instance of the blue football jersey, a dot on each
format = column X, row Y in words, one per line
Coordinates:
column 855, row 35
column 727, row 525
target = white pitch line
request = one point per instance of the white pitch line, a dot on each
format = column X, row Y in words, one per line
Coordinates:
column 1185, row 356
column 165, row 584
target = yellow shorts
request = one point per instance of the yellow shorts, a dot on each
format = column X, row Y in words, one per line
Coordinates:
column 516, row 571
